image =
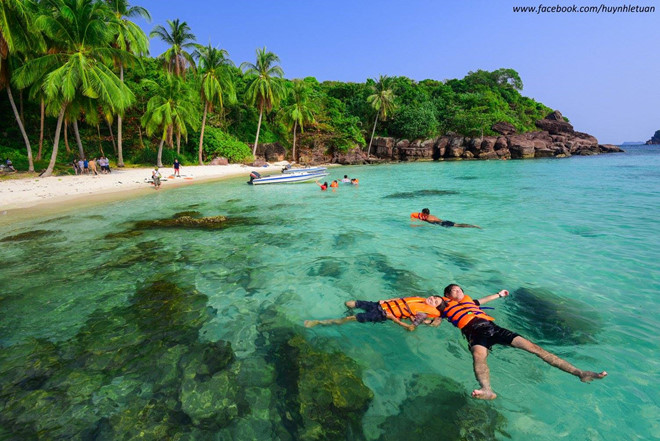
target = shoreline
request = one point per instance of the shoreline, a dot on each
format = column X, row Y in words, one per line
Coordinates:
column 29, row 197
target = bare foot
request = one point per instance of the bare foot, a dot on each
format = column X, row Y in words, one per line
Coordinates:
column 311, row 323
column 350, row 304
column 587, row 376
column 481, row 394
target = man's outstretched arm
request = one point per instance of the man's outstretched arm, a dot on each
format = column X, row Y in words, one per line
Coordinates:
column 502, row 293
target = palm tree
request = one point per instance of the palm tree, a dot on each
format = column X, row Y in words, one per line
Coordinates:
column 266, row 88
column 76, row 64
column 216, row 80
column 131, row 38
column 179, row 38
column 382, row 101
column 300, row 111
column 169, row 110
column 17, row 36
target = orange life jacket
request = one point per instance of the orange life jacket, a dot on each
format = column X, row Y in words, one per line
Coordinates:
column 461, row 313
column 334, row 185
column 408, row 307
column 420, row 216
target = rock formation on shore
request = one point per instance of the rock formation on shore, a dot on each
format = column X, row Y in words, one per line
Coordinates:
column 655, row 140
column 555, row 138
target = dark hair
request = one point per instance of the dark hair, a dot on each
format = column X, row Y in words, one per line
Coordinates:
column 441, row 307
column 325, row 183
column 448, row 289
column 345, row 176
column 426, row 211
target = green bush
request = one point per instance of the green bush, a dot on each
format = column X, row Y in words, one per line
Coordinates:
column 415, row 121
column 219, row 143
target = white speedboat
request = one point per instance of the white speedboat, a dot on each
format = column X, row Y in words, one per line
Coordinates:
column 285, row 178
column 305, row 169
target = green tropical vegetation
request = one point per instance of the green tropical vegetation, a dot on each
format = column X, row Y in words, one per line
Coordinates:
column 82, row 68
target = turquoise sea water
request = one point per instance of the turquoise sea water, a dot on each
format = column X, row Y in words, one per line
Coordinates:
column 575, row 240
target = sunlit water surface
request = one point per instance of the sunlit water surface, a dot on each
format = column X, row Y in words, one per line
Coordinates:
column 580, row 234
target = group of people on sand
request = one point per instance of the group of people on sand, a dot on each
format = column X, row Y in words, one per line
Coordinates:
column 83, row 166
column 335, row 183
column 467, row 315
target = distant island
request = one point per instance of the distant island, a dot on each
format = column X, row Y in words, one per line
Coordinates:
column 655, row 140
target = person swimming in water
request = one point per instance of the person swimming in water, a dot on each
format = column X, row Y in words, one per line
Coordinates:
column 481, row 333
column 416, row 309
column 426, row 216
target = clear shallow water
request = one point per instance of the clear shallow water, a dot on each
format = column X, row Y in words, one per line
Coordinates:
column 576, row 240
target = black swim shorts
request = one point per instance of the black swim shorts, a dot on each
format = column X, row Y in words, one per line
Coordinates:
column 447, row 224
column 486, row 333
column 373, row 312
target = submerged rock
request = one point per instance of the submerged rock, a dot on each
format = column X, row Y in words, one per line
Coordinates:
column 136, row 371
column 437, row 409
column 321, row 393
column 208, row 223
column 189, row 213
column 542, row 316
column 420, row 193
column 31, row 235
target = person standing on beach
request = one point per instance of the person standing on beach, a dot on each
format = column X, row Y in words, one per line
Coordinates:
column 92, row 166
column 176, row 168
column 481, row 334
column 426, row 216
column 155, row 176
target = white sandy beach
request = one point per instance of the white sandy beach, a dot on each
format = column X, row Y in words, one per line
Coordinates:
column 20, row 195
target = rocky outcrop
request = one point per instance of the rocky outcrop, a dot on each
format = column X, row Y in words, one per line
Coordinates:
column 655, row 140
column 273, row 152
column 219, row 161
column 557, row 138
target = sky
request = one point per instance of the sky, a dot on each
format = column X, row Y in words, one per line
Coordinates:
column 602, row 71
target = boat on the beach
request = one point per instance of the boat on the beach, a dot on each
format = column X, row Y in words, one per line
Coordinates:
column 304, row 169
column 285, row 178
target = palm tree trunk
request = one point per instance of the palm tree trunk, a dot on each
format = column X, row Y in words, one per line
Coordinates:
column 140, row 132
column 112, row 136
column 256, row 141
column 295, row 127
column 66, row 137
column 201, row 135
column 372, row 136
column 53, row 156
column 120, row 153
column 159, row 161
column 77, row 133
column 98, row 132
column 20, row 105
column 20, row 126
column 178, row 142
column 41, row 131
